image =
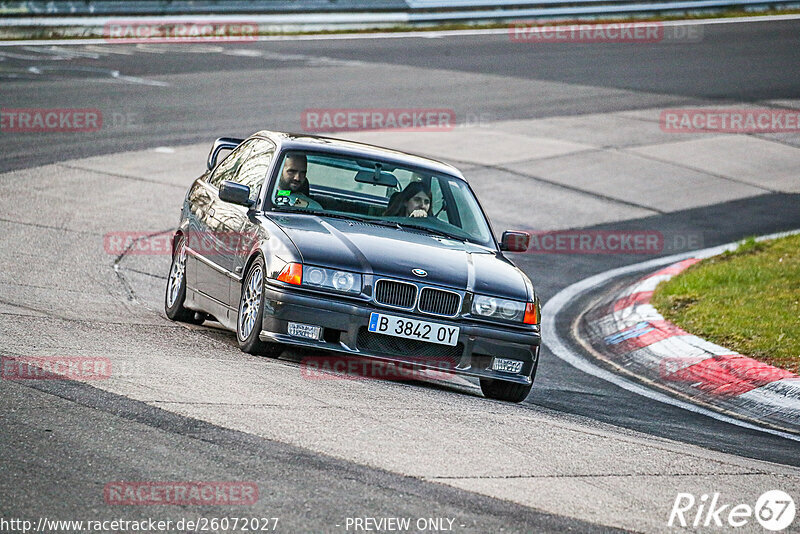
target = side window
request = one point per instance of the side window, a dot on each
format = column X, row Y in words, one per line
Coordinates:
column 253, row 171
column 227, row 169
column 468, row 211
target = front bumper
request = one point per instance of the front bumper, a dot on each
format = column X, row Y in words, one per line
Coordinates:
column 344, row 329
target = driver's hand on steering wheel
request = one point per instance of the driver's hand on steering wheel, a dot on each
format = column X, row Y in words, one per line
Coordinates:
column 418, row 213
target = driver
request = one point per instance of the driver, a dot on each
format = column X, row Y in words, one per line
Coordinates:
column 293, row 187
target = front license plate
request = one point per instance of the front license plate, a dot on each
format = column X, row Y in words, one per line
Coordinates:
column 413, row 329
column 507, row 366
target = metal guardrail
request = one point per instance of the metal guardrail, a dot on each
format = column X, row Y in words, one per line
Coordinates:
column 557, row 8
column 186, row 7
column 416, row 9
column 81, row 16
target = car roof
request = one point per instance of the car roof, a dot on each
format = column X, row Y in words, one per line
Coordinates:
column 293, row 141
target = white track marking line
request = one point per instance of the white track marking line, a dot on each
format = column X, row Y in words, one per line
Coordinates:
column 557, row 346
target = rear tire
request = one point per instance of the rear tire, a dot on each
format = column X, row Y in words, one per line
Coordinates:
column 176, row 288
column 251, row 313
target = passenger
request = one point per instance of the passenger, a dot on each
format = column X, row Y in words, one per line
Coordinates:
column 413, row 201
column 293, row 184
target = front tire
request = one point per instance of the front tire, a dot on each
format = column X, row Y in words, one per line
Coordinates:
column 251, row 313
column 504, row 391
column 508, row 391
column 176, row 288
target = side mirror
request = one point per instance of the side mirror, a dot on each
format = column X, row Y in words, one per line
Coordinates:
column 515, row 241
column 235, row 193
column 223, row 143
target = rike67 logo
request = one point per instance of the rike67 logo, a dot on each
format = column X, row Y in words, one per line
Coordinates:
column 774, row 510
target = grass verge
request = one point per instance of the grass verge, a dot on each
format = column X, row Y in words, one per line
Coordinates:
column 747, row 300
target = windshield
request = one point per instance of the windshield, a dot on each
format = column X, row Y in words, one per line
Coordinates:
column 379, row 191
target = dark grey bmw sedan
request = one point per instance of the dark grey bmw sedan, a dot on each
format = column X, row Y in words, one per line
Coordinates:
column 364, row 251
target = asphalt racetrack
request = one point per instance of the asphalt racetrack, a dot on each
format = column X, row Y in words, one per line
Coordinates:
column 552, row 136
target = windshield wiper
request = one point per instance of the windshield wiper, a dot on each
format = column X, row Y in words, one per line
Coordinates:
column 368, row 220
column 432, row 231
column 345, row 216
column 379, row 222
column 359, row 218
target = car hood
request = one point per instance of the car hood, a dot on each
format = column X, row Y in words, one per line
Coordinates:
column 392, row 252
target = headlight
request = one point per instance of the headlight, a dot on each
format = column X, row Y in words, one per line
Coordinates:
column 341, row 281
column 496, row 308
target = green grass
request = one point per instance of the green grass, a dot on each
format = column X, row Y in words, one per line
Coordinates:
column 747, row 300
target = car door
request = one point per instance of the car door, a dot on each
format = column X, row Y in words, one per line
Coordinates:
column 239, row 230
column 198, row 202
column 211, row 276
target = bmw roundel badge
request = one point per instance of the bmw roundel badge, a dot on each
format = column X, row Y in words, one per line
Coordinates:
column 420, row 272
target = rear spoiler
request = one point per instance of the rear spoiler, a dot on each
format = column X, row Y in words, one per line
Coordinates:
column 223, row 143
